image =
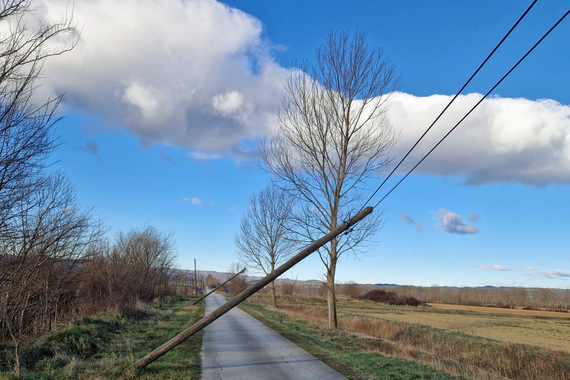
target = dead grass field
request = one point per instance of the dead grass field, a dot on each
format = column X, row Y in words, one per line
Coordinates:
column 496, row 310
column 537, row 328
column 478, row 343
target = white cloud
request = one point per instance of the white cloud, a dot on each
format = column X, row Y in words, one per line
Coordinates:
column 558, row 273
column 196, row 201
column 453, row 223
column 503, row 140
column 185, row 199
column 495, row 267
column 202, row 156
column 198, row 74
column 169, row 71
column 142, row 97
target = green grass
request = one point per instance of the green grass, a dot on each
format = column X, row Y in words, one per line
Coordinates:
column 352, row 356
column 106, row 346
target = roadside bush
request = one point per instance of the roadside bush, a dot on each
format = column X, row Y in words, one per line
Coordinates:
column 390, row 298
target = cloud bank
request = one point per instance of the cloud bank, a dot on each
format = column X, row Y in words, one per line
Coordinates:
column 503, row 140
column 197, row 74
column 558, row 273
column 495, row 267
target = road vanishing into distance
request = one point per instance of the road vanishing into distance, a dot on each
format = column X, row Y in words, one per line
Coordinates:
column 237, row 346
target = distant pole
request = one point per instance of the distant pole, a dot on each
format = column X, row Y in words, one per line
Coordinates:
column 195, row 279
column 219, row 286
column 205, row 321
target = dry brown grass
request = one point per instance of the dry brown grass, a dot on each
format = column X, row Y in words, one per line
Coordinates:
column 430, row 336
column 500, row 310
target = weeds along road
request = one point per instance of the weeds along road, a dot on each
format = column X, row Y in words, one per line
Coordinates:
column 237, row 346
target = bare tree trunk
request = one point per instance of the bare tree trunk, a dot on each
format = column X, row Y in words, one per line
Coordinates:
column 272, row 285
column 273, row 297
column 17, row 366
column 331, row 298
column 331, row 271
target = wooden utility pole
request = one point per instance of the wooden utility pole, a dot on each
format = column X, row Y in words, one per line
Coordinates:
column 195, row 280
column 152, row 356
column 219, row 286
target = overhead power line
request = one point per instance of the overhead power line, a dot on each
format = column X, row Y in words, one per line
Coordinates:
column 475, row 106
column 451, row 101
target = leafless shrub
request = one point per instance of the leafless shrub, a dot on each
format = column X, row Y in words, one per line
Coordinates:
column 239, row 283
column 288, row 287
column 351, row 290
column 211, row 282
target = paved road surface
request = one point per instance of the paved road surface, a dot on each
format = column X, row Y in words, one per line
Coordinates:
column 237, row 346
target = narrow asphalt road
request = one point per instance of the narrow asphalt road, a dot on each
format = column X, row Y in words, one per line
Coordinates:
column 237, row 346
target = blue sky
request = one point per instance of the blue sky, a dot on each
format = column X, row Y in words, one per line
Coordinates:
column 165, row 101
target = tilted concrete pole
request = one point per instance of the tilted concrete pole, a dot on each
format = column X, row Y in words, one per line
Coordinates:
column 205, row 321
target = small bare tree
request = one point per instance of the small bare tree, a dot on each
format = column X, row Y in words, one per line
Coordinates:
column 147, row 256
column 239, row 283
column 333, row 135
column 262, row 241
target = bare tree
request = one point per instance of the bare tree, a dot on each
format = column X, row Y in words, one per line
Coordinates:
column 147, row 256
column 262, row 241
column 25, row 124
column 44, row 250
column 333, row 135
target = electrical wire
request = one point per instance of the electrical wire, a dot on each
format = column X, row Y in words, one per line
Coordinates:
column 475, row 106
column 450, row 102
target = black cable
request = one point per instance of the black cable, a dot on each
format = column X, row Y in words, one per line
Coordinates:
column 475, row 106
column 449, row 104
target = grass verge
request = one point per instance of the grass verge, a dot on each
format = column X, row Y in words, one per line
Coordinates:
column 105, row 347
column 352, row 356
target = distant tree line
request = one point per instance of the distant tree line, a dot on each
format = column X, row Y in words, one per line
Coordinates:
column 507, row 297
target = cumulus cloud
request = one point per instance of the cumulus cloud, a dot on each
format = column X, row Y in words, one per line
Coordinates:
column 453, row 223
column 504, row 140
column 495, row 267
column 185, row 199
column 408, row 219
column 197, row 74
column 189, row 73
column 196, row 201
column 558, row 273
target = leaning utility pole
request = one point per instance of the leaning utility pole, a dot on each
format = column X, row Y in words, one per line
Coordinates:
column 205, row 321
column 219, row 286
column 195, row 280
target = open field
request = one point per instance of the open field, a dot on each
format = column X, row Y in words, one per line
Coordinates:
column 538, row 328
column 476, row 343
column 498, row 310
